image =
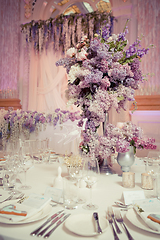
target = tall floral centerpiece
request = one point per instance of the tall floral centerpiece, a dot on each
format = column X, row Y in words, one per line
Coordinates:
column 102, row 73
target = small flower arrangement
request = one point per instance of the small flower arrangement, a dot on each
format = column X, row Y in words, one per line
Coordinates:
column 73, row 160
column 135, row 137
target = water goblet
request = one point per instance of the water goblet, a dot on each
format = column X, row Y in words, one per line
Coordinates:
column 91, row 173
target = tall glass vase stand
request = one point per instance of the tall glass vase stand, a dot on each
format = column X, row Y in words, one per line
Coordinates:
column 105, row 165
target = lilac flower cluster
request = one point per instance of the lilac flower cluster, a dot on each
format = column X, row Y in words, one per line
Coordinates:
column 22, row 121
column 134, row 135
column 134, row 50
column 118, row 139
column 102, row 74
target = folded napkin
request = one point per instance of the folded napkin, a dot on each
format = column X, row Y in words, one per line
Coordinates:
column 149, row 211
column 17, row 212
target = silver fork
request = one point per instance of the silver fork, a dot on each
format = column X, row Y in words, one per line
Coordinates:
column 111, row 213
column 111, row 222
column 9, row 198
column 120, row 220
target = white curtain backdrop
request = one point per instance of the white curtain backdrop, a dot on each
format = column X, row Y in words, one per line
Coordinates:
column 47, row 82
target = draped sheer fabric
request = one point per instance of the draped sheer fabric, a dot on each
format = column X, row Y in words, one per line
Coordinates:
column 47, row 82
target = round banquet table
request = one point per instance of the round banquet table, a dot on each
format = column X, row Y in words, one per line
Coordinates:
column 108, row 189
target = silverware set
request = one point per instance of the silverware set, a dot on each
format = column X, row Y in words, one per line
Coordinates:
column 113, row 219
column 13, row 197
column 56, row 218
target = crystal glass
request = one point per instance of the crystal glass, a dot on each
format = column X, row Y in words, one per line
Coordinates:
column 91, row 174
column 153, row 168
column 78, row 172
column 41, row 150
column 27, row 161
column 11, row 151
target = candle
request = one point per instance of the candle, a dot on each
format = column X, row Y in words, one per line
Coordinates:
column 128, row 179
column 146, row 181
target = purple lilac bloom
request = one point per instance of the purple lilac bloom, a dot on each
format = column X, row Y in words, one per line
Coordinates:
column 106, row 32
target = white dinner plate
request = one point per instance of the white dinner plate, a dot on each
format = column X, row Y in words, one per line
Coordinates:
column 40, row 215
column 138, row 222
column 84, row 224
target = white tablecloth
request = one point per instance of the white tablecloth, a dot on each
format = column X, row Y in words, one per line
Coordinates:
column 108, row 189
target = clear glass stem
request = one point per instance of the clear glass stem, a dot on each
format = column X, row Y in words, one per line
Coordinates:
column 154, row 186
column 78, row 188
column 25, row 178
column 90, row 196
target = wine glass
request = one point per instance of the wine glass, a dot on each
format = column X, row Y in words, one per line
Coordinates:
column 11, row 150
column 27, row 161
column 40, row 150
column 77, row 172
column 91, row 173
column 153, row 167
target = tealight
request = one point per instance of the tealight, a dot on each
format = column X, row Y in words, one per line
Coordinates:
column 128, row 179
column 146, row 181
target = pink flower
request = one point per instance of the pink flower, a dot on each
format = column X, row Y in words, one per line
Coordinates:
column 82, row 55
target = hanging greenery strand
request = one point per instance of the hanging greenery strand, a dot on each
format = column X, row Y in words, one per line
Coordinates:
column 41, row 33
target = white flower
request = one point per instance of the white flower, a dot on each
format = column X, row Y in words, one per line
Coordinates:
column 73, row 73
column 82, row 55
column 71, row 52
column 84, row 38
column 77, row 72
column 83, row 72
column 71, row 102
column 112, row 38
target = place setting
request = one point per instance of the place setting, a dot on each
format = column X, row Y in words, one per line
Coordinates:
column 33, row 208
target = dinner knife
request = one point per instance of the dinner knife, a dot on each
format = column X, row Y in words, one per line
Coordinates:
column 95, row 215
column 53, row 221
column 58, row 223
column 35, row 232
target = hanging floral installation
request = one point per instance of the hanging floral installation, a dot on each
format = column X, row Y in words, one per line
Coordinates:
column 64, row 31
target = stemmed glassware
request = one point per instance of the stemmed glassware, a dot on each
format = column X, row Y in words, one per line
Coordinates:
column 91, row 174
column 27, row 161
column 153, row 168
column 78, row 172
column 41, row 150
column 11, row 150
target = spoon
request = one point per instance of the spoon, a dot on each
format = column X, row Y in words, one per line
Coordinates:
column 95, row 215
column 121, row 204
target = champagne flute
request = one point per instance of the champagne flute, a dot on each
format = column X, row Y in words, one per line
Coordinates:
column 27, row 161
column 91, row 173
